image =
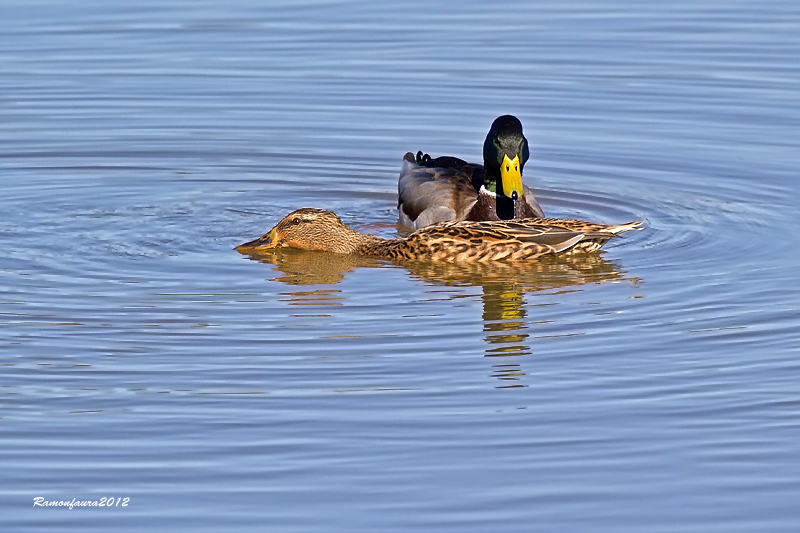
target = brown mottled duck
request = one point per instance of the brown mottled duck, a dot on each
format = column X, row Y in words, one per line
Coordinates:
column 499, row 240
column 448, row 188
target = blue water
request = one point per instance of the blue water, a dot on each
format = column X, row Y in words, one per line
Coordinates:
column 651, row 387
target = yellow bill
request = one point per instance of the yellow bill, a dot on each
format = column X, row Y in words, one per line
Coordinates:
column 511, row 175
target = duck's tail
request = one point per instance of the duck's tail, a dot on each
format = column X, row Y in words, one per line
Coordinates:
column 621, row 228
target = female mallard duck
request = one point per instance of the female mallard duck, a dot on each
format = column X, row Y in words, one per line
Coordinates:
column 499, row 240
column 448, row 188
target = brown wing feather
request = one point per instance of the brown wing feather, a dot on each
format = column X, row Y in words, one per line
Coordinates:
column 498, row 240
column 460, row 241
column 586, row 227
column 509, row 230
column 490, row 233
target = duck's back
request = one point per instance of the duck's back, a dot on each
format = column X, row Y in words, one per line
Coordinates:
column 481, row 242
column 430, row 194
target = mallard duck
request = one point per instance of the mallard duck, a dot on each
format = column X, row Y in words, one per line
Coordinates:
column 499, row 240
column 447, row 188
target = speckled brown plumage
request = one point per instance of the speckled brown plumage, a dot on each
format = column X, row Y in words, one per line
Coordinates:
column 511, row 240
column 595, row 235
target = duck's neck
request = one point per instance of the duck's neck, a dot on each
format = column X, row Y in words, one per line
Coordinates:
column 350, row 241
column 491, row 180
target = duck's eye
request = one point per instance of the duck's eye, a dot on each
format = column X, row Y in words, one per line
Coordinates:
column 296, row 221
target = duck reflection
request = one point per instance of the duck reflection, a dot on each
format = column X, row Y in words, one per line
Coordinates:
column 506, row 326
column 301, row 267
column 505, row 314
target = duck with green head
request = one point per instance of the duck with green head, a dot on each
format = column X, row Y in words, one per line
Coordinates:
column 448, row 188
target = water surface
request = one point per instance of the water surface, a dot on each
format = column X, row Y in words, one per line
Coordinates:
column 650, row 387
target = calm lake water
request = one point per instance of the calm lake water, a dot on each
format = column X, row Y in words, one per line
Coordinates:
column 652, row 387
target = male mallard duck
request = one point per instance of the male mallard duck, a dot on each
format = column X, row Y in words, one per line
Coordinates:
column 448, row 188
column 498, row 240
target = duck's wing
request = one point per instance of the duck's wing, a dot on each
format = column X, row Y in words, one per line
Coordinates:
column 503, row 240
column 431, row 191
column 586, row 227
column 529, row 207
column 507, row 231
column 487, row 241
column 594, row 235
